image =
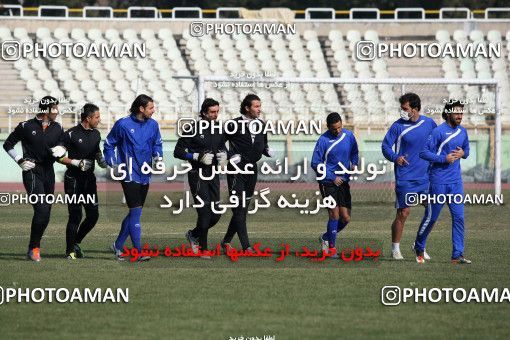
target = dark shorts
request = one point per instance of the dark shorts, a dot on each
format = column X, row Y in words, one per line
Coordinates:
column 408, row 191
column 341, row 194
column 135, row 193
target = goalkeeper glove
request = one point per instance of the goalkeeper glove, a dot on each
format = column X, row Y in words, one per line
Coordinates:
column 100, row 160
column 58, row 151
column 205, row 157
column 83, row 164
column 235, row 158
column 26, row 164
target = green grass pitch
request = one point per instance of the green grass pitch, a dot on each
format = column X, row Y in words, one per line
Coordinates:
column 200, row 299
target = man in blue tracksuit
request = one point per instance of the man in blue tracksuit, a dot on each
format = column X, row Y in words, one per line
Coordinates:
column 334, row 147
column 447, row 144
column 407, row 136
column 138, row 141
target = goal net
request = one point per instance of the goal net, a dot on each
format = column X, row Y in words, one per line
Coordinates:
column 368, row 108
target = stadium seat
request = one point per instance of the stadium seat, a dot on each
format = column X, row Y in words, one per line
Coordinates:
column 242, row 44
column 88, row 85
column 295, row 44
column 112, row 34
column 165, row 33
column 371, row 35
column 5, row 33
column 42, row 33
column 129, row 34
column 459, row 36
column 442, row 36
column 225, row 44
column 76, row 96
column 353, row 36
column 65, row 75
column 476, row 36
column 310, row 35
column 278, row 45
column 151, row 44
column 313, row 54
column 93, row 64
column 193, row 44
column 78, row 34
column 147, row 34
column 494, row 36
column 95, row 34
column 43, row 74
column 247, row 54
column 335, row 35
column 20, row 33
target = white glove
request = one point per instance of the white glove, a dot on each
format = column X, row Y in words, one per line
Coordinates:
column 270, row 152
column 83, row 164
column 26, row 164
column 221, row 157
column 58, row 151
column 204, row 158
column 235, row 158
column 100, row 160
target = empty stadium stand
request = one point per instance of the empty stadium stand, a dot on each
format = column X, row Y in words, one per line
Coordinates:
column 174, row 56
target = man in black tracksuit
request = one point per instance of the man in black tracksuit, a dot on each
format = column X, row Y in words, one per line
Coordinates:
column 82, row 145
column 204, row 151
column 38, row 137
column 248, row 148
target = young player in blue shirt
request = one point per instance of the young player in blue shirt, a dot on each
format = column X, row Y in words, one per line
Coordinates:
column 447, row 144
column 334, row 147
column 401, row 146
column 137, row 140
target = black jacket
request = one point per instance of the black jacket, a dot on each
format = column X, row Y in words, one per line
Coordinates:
column 241, row 142
column 208, row 141
column 35, row 141
column 81, row 143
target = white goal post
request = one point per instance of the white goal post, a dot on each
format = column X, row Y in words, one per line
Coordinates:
column 403, row 82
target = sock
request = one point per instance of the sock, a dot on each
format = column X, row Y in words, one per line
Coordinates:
column 135, row 230
column 341, row 225
column 124, row 233
column 395, row 246
column 332, row 230
column 325, row 236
